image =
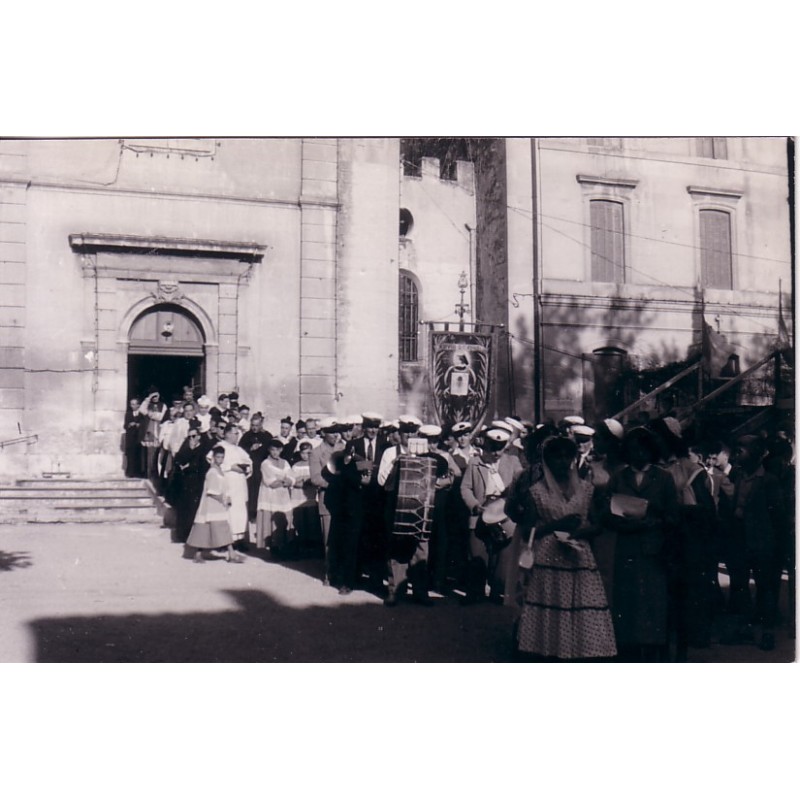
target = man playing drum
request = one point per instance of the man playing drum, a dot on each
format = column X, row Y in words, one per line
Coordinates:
column 488, row 478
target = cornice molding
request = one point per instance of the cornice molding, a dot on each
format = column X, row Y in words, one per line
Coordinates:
column 84, row 188
column 728, row 194
column 618, row 183
column 167, row 246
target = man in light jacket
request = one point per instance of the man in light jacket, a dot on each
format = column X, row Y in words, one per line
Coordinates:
column 488, row 476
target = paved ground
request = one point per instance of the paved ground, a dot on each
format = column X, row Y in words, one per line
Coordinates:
column 124, row 593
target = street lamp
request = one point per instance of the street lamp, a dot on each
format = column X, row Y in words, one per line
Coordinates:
column 462, row 307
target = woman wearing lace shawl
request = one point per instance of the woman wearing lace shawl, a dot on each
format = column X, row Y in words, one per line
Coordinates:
column 565, row 614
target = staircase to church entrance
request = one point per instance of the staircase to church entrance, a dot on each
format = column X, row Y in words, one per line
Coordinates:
column 105, row 500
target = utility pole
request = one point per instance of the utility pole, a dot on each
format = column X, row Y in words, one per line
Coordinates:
column 537, row 301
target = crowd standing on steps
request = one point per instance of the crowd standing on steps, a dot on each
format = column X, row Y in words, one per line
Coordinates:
column 609, row 542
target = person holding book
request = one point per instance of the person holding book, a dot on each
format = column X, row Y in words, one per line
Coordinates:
column 643, row 510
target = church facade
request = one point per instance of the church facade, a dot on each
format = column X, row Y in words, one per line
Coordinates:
column 303, row 273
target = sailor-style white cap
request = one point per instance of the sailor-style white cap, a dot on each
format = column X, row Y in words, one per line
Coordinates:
column 409, row 423
column 515, row 423
column 429, row 431
column 614, row 427
column 582, row 430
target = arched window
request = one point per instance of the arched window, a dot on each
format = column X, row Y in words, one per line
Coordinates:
column 608, row 241
column 716, row 265
column 406, row 222
column 409, row 318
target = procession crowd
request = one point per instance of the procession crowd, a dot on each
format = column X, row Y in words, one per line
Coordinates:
column 608, row 541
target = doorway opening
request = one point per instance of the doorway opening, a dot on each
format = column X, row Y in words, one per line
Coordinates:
column 169, row 374
column 167, row 351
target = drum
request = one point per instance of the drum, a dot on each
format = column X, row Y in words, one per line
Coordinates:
column 496, row 522
column 416, row 488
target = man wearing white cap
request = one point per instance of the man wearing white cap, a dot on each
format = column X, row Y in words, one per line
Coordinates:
column 464, row 450
column 317, row 462
column 448, row 472
column 582, row 434
column 566, row 424
column 458, row 517
column 407, row 425
column 488, row 478
column 407, row 554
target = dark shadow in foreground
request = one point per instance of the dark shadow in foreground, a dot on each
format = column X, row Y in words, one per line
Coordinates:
column 265, row 630
column 9, row 561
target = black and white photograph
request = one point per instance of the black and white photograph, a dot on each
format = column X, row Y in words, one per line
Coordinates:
column 397, row 385
column 387, row 399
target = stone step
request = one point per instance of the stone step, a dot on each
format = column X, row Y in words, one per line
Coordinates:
column 85, row 500
column 22, row 492
column 92, row 515
column 77, row 502
column 74, row 483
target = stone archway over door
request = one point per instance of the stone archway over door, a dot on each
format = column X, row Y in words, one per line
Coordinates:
column 166, row 349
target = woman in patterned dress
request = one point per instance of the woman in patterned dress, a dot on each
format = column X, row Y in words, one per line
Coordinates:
column 211, row 529
column 275, row 503
column 565, row 614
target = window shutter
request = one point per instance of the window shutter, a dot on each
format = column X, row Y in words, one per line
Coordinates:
column 716, row 269
column 408, row 319
column 705, row 147
column 608, row 246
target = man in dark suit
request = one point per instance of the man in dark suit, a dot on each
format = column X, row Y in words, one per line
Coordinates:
column 372, row 539
column 756, row 527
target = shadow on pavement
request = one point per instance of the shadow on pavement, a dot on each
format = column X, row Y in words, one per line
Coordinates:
column 264, row 630
column 9, row 561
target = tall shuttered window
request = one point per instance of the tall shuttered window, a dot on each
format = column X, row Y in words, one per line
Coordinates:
column 716, row 265
column 712, row 147
column 608, row 241
column 409, row 319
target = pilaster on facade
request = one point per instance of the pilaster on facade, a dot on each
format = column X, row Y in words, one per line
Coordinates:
column 13, row 269
column 317, row 312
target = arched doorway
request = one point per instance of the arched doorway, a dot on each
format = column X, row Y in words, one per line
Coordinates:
column 166, row 350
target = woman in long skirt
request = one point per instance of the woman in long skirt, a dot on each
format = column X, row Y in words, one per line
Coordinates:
column 274, row 500
column 565, row 614
column 236, row 467
column 211, row 529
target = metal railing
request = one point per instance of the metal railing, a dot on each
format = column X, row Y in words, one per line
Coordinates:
column 729, row 384
column 27, row 439
column 657, row 391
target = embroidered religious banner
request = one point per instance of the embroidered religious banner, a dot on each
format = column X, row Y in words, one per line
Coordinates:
column 461, row 364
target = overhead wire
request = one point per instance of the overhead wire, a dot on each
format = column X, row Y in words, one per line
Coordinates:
column 687, row 292
column 528, row 215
